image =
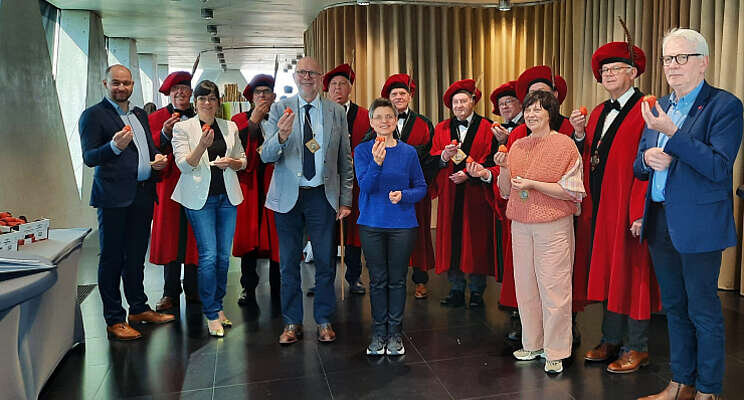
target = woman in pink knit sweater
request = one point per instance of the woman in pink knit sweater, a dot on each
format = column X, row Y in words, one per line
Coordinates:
column 542, row 178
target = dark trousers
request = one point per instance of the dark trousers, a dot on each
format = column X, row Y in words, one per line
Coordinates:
column 689, row 284
column 387, row 252
column 353, row 260
column 249, row 275
column 124, row 233
column 621, row 329
column 172, row 278
column 311, row 213
column 419, row 275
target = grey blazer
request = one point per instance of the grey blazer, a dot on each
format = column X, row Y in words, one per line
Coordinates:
column 338, row 172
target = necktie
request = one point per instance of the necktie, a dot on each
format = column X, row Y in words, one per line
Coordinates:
column 508, row 125
column 614, row 105
column 308, row 159
column 189, row 112
column 463, row 123
column 403, row 115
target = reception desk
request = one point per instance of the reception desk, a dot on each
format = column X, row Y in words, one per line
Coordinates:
column 40, row 318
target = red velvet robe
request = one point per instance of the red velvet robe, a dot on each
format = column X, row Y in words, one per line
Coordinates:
column 508, row 295
column 620, row 266
column 255, row 228
column 418, row 132
column 474, row 215
column 358, row 119
column 165, row 238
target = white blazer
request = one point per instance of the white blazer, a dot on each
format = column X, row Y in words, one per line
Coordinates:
column 192, row 188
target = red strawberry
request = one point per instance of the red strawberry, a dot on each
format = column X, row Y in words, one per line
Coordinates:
column 650, row 99
column 583, row 111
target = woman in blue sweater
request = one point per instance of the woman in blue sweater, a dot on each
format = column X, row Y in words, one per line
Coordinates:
column 390, row 182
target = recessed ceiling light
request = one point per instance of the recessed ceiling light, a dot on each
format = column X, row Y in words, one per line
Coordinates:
column 212, row 29
column 215, row 39
column 218, row 48
column 505, row 5
column 207, row 13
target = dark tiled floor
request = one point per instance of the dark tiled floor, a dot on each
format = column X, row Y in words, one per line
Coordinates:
column 451, row 354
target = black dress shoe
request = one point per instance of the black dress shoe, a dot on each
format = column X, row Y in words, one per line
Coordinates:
column 456, row 298
column 357, row 288
column 247, row 298
column 476, row 300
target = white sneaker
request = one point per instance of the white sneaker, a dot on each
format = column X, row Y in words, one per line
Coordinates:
column 525, row 355
column 553, row 367
column 308, row 252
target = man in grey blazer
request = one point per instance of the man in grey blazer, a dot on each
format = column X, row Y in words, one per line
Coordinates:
column 310, row 189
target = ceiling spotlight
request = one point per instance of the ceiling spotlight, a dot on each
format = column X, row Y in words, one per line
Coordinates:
column 218, row 48
column 505, row 5
column 362, row 3
column 215, row 39
column 221, row 56
column 207, row 13
column 212, row 29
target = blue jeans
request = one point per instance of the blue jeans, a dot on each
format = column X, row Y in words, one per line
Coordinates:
column 619, row 328
column 214, row 227
column 311, row 213
column 689, row 284
column 388, row 252
column 457, row 281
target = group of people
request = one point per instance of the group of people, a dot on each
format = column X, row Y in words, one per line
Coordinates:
column 594, row 207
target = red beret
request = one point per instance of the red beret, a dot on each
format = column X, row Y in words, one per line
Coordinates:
column 398, row 81
column 343, row 70
column 507, row 89
column 541, row 73
column 258, row 80
column 175, row 78
column 467, row 85
column 617, row 52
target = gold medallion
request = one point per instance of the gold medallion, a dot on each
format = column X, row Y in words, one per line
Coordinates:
column 312, row 145
column 459, row 157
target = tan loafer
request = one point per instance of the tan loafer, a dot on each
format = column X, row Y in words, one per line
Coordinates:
column 166, row 303
column 603, row 352
column 326, row 333
column 629, row 361
column 122, row 331
column 291, row 334
column 150, row 317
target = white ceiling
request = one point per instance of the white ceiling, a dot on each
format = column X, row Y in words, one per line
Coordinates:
column 175, row 32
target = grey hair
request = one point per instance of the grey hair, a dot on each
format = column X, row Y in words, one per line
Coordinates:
column 691, row 36
column 381, row 102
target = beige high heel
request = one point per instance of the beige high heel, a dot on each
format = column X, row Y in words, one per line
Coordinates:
column 219, row 332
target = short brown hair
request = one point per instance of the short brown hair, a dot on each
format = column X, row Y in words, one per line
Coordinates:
column 381, row 102
column 547, row 101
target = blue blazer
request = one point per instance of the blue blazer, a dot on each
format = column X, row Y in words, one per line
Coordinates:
column 699, row 188
column 115, row 177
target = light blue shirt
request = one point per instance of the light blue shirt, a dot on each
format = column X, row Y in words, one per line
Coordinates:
column 139, row 139
column 677, row 111
column 316, row 121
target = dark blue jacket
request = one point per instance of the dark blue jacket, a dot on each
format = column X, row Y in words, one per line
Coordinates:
column 115, row 177
column 699, row 188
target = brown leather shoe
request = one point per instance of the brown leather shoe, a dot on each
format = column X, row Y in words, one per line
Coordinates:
column 326, row 333
column 707, row 396
column 603, row 352
column 292, row 333
column 122, row 331
column 421, row 291
column 166, row 303
column 151, row 317
column 673, row 391
column 629, row 361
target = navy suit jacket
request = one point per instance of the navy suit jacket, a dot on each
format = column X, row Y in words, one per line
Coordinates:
column 698, row 197
column 115, row 177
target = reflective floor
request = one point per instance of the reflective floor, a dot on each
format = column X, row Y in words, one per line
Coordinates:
column 451, row 353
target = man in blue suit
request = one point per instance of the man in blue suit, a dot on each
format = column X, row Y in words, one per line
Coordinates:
column 687, row 151
column 310, row 189
column 116, row 141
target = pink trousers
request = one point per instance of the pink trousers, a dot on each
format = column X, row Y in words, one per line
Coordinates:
column 543, row 264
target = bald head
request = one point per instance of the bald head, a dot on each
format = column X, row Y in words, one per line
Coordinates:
column 308, row 78
column 119, row 84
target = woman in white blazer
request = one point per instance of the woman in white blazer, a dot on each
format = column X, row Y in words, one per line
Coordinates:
column 208, row 151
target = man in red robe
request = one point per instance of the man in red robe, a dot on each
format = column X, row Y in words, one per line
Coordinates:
column 337, row 83
column 416, row 130
column 541, row 77
column 255, row 231
column 464, row 243
column 620, row 273
column 172, row 241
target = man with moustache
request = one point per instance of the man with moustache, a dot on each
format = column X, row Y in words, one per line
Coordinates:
column 255, row 231
column 464, row 243
column 172, row 241
column 337, row 83
column 116, row 141
column 310, row 189
column 416, row 130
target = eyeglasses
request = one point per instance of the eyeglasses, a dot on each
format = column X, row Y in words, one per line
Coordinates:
column 614, row 70
column 262, row 92
column 311, row 74
column 680, row 58
column 384, row 117
column 204, row 99
column 506, row 102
